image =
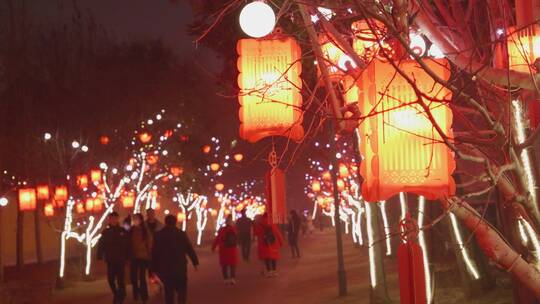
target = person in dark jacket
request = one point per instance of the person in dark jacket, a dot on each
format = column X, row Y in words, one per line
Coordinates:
column 169, row 261
column 113, row 248
column 152, row 222
column 293, row 231
column 244, row 226
column 141, row 241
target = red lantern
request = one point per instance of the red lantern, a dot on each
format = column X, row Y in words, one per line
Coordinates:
column 60, row 195
column 98, row 204
column 95, row 176
column 214, row 166
column 422, row 164
column 316, row 186
column 269, row 81
column 27, row 199
column 128, row 199
column 220, row 187
column 42, row 192
column 180, row 216
column 145, row 137
column 168, row 133
column 79, row 208
column 206, row 149
column 343, row 170
column 48, row 210
column 104, row 140
column 176, row 171
column 152, row 159
column 276, row 199
column 238, row 157
column 82, row 181
column 89, row 204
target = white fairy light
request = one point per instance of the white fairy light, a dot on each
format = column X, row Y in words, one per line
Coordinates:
column 3, row 201
column 84, row 148
column 47, row 136
column 75, row 144
column 468, row 262
column 422, row 243
column 524, row 155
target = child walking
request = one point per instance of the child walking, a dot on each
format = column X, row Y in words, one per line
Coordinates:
column 227, row 242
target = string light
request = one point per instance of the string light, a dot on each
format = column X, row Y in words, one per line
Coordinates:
column 422, row 241
column 468, row 262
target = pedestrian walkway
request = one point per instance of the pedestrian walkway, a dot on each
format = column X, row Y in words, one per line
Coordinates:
column 311, row 279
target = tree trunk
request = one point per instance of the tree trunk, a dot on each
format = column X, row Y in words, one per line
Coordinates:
column 494, row 246
column 37, row 232
column 379, row 292
column 20, row 239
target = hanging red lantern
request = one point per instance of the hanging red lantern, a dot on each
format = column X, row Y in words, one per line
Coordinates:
column 238, row 157
column 269, row 81
column 176, row 171
column 181, row 217
column 89, row 204
column 206, row 149
column 423, row 164
column 98, row 204
column 79, row 208
column 42, row 192
column 82, row 181
column 128, row 199
column 220, row 187
column 343, row 171
column 60, row 195
column 27, row 199
column 104, row 140
column 168, row 133
column 316, row 186
column 184, row 137
column 95, row 176
column 48, row 210
column 340, row 184
column 214, row 166
column 326, row 176
column 145, row 137
column 152, row 159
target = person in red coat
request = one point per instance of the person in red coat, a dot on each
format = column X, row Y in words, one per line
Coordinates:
column 227, row 241
column 269, row 241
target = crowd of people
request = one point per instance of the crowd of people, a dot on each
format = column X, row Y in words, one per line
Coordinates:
column 161, row 252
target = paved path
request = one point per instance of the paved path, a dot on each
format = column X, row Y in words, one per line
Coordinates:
column 311, row 279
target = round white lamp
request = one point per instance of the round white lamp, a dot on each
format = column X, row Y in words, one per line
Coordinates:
column 257, row 19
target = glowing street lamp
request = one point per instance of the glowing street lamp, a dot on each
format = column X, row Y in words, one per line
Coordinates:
column 257, row 19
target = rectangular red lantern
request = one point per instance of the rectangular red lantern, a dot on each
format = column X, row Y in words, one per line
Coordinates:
column 82, row 181
column 42, row 192
column 89, row 204
column 523, row 48
column 270, row 84
column 27, row 199
column 276, row 199
column 60, row 195
column 95, row 176
column 402, row 150
column 48, row 210
column 128, row 200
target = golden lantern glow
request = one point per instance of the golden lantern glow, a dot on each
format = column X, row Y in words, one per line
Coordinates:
column 98, row 204
column 220, row 187
column 128, row 199
column 79, row 208
column 206, row 149
column 42, row 192
column 60, row 195
column 213, row 212
column 104, row 140
column 523, row 48
column 238, row 157
column 152, row 159
column 181, row 217
column 176, row 171
column 48, row 210
column 422, row 164
column 82, row 181
column 145, row 137
column 326, row 176
column 336, row 60
column 27, row 199
column 168, row 133
column 368, row 36
column 239, row 207
column 95, row 176
column 214, row 166
column 270, row 84
column 320, row 200
column 316, row 186
column 343, row 170
column 340, row 184
column 89, row 204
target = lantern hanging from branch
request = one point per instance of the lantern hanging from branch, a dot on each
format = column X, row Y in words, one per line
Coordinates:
column 238, row 157
column 48, row 210
column 152, row 159
column 98, row 204
column 523, row 48
column 336, row 59
column 104, row 140
column 128, row 199
column 220, row 187
column 42, row 192
column 145, row 137
column 316, row 186
column 403, row 151
column 176, row 171
column 27, row 199
column 270, row 84
column 89, row 204
column 180, row 217
column 206, row 149
column 214, row 166
column 82, row 181
column 95, row 176
column 79, row 208
column 60, row 195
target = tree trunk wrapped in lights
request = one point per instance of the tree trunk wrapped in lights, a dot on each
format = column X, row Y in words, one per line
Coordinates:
column 270, row 85
column 422, row 164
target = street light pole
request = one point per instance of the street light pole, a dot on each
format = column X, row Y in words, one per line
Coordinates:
column 335, row 105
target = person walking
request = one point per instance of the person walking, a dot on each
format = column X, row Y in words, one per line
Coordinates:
column 244, row 226
column 152, row 223
column 113, row 248
column 169, row 261
column 227, row 242
column 269, row 241
column 293, row 231
column 141, row 241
